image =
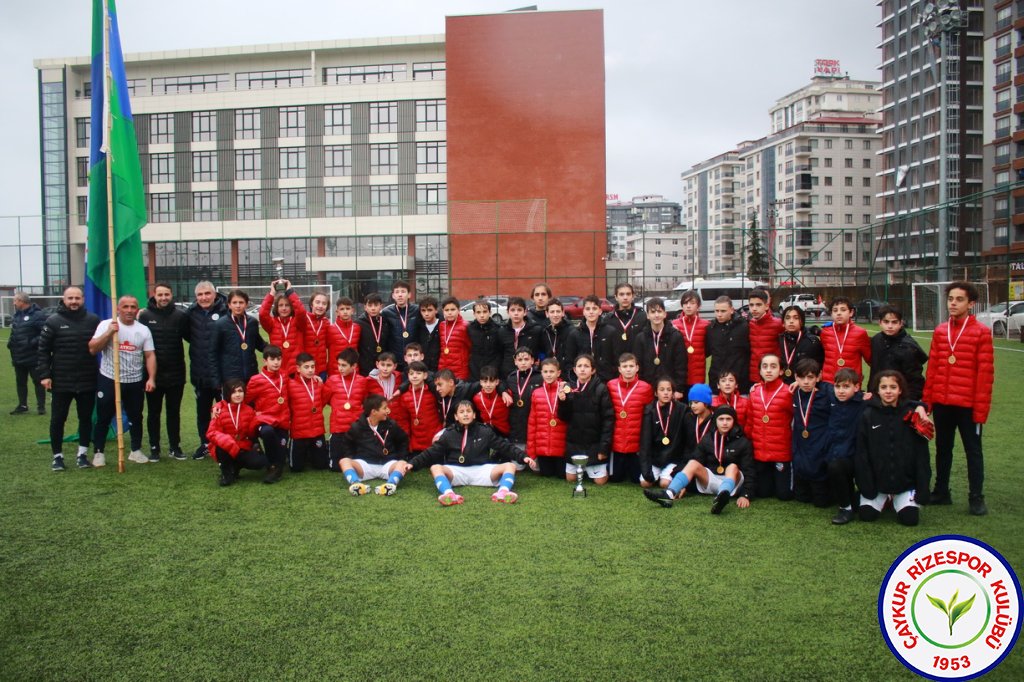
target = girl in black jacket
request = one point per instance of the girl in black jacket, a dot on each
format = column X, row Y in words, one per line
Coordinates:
column 891, row 462
column 662, row 436
column 797, row 342
column 588, row 411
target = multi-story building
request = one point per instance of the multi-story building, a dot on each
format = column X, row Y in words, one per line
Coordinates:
column 661, row 259
column 712, row 211
column 359, row 161
column 646, row 213
column 918, row 169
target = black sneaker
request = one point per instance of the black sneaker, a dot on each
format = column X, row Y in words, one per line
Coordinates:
column 660, row 496
column 940, row 497
column 154, row 453
column 977, row 505
column 177, row 454
column 83, row 462
column 842, row 517
column 227, row 475
column 200, row 453
column 58, row 463
column 41, row 410
column 721, row 499
column 20, row 409
column 274, row 473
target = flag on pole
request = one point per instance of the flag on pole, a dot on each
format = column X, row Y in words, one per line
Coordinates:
column 120, row 150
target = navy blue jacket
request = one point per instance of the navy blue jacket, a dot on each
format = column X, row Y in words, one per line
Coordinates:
column 26, row 326
column 202, row 361
column 234, row 362
column 810, row 455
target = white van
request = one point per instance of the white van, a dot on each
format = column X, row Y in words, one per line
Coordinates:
column 736, row 288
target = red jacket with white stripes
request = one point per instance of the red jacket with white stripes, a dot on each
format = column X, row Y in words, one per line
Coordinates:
column 967, row 381
column 856, row 349
column 340, row 391
column 773, row 438
column 307, row 414
column 626, row 431
column 268, row 395
column 544, row 438
column 697, row 329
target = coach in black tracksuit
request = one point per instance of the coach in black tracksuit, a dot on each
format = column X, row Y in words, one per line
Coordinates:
column 728, row 345
column 26, row 326
column 169, row 327
column 209, row 307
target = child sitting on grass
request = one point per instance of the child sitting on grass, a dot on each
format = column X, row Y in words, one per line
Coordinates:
column 232, row 434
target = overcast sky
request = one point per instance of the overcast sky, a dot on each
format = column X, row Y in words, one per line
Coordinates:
column 686, row 80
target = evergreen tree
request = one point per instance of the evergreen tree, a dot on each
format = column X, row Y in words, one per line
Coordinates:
column 757, row 257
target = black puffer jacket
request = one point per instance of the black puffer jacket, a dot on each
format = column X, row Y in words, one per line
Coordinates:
column 902, row 353
column 64, row 353
column 590, row 418
column 169, row 327
column 234, row 362
column 891, row 457
column 728, row 345
column 202, row 361
column 26, row 326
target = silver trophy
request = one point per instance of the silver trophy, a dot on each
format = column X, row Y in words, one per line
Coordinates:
column 580, row 461
column 279, row 271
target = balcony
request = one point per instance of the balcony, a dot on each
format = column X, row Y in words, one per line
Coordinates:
column 803, row 150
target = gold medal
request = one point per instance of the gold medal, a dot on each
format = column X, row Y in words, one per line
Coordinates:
column 245, row 346
column 379, row 349
column 657, row 361
column 316, row 342
column 952, row 359
column 665, row 440
column 384, row 451
column 348, row 406
column 840, row 362
column 462, row 459
column 720, row 470
column 280, row 401
column 690, row 350
column 519, row 403
column 806, row 433
column 789, row 372
column 314, row 410
column 623, row 414
column 446, row 351
column 553, row 422
column 416, row 422
column 405, row 335
column 624, row 337
column 765, row 419
column 285, row 344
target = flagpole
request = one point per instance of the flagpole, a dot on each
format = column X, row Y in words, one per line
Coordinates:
column 109, row 126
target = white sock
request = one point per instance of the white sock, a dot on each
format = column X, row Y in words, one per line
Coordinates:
column 82, row 450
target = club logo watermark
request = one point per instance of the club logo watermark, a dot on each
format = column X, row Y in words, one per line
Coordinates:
column 949, row 608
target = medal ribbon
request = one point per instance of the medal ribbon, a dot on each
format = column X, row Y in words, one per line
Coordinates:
column 553, row 339
column 403, row 320
column 284, row 327
column 235, row 416
column 386, row 433
column 836, row 334
column 719, row 448
column 789, row 355
column 243, row 328
column 618, row 387
column 417, row 402
column 657, row 341
column 490, row 410
column 310, row 391
column 949, row 336
column 805, row 415
column 525, row 383
column 462, row 450
column 279, row 387
column 765, row 404
column 664, row 424
column 688, row 333
column 581, row 387
column 553, row 406
column 445, row 406
column 310, row 318
column 351, row 331
column 627, row 323
column 377, row 331
column 698, row 433
column 449, row 330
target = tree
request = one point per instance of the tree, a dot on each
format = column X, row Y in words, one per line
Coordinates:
column 757, row 257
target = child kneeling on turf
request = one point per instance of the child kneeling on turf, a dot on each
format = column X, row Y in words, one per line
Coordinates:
column 892, row 461
column 723, row 467
column 374, row 445
column 470, row 453
column 232, row 434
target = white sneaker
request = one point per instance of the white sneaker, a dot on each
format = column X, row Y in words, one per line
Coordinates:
column 138, row 457
column 98, row 460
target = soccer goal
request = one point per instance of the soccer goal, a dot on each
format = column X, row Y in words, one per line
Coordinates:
column 256, row 295
column 929, row 303
column 7, row 310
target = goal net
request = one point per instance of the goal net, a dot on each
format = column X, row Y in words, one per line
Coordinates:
column 7, row 310
column 304, row 291
column 929, row 303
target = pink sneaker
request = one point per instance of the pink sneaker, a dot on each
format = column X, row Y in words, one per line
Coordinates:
column 450, row 498
column 505, row 496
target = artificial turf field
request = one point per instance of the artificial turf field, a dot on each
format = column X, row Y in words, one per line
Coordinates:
column 159, row 574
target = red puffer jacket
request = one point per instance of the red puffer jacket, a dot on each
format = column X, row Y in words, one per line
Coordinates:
column 856, row 349
column 493, row 410
column 542, row 438
column 772, row 439
column 693, row 331
column 263, row 393
column 341, row 335
column 967, row 382
column 340, row 391
column 307, row 414
column 228, row 437
column 284, row 333
column 764, row 339
column 455, row 347
column 415, row 411
column 738, row 403
column 316, row 338
column 626, row 431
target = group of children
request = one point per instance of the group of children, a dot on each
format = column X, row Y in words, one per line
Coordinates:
column 494, row 399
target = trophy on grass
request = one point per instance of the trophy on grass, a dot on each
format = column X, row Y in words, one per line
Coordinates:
column 279, row 271
column 580, row 461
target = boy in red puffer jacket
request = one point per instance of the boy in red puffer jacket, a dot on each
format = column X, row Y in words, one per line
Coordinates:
column 267, row 395
column 306, row 402
column 845, row 344
column 232, row 434
column 454, row 338
column 694, row 330
column 771, row 431
column 764, row 329
column 545, row 435
column 344, row 392
column 630, row 395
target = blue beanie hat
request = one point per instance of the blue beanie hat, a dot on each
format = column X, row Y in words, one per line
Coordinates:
column 700, row 393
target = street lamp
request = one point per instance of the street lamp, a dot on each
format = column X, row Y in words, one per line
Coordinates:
column 941, row 21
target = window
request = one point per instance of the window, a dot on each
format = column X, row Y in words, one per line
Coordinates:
column 247, row 124
column 828, row 218
column 1003, row 17
column 1003, row 100
column 1002, row 178
column 248, row 204
column 848, row 144
column 1003, row 126
column 828, row 144
column 262, row 80
column 338, row 119
column 828, row 255
column 82, row 132
column 338, row 201
column 431, row 199
column 293, row 162
column 204, row 206
column 428, row 71
column 848, row 218
column 161, row 168
column 293, row 203
column 848, row 237
column 865, row 163
column 431, row 114
column 828, row 199
column 337, row 160
column 172, row 85
column 383, row 159
column 865, row 200
column 248, row 164
column 384, row 200
column 161, row 128
column 204, row 125
column 866, row 218
column 204, row 166
column 866, row 182
column 1003, row 45
column 161, row 208
column 1003, row 73
column 431, row 157
column 848, row 200
column 828, row 162
column 136, row 86
column 374, row 73
column 848, row 181
column 292, row 121
column 828, row 180
column 83, row 210
column 848, row 162
column 867, row 145
column 384, row 117
column 82, row 170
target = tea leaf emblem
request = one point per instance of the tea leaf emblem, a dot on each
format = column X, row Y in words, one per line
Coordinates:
column 954, row 611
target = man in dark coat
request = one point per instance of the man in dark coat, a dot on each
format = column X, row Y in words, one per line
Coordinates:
column 26, row 326
column 169, row 327
column 204, row 373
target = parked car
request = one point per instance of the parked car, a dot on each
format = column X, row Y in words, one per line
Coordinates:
column 867, row 310
column 1003, row 316
column 499, row 312
column 575, row 311
column 806, row 302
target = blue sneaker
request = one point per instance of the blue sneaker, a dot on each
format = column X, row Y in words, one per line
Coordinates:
column 58, row 463
column 83, row 462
